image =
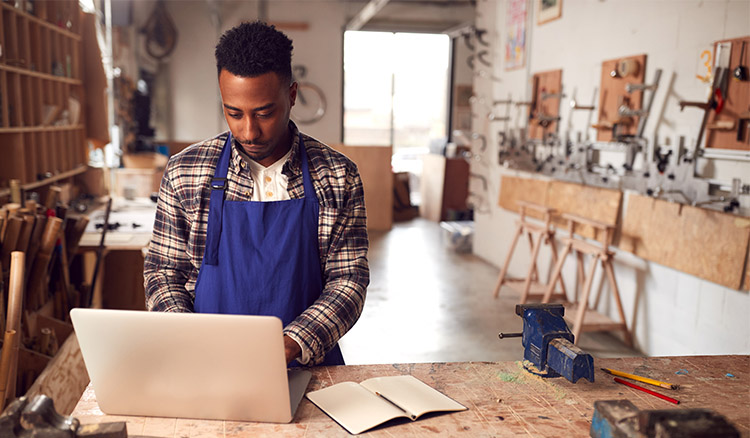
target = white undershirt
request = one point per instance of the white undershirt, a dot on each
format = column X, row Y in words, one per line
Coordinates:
column 269, row 184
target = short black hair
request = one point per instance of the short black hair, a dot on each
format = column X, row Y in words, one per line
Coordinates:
column 254, row 48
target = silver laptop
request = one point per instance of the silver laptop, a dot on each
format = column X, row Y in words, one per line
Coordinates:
column 206, row 366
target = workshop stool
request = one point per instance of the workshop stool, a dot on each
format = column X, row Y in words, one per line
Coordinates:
column 586, row 318
column 532, row 287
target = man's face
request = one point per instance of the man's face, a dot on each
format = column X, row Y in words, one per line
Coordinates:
column 257, row 112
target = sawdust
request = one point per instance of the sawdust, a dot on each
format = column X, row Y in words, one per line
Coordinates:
column 524, row 377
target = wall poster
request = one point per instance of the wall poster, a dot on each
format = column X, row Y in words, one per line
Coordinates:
column 515, row 43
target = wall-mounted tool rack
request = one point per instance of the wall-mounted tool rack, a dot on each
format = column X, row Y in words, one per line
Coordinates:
column 42, row 131
column 616, row 74
column 730, row 128
column 544, row 111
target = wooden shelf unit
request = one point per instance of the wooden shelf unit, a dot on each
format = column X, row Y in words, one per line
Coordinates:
column 42, row 131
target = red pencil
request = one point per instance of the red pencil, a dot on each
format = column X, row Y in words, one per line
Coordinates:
column 640, row 388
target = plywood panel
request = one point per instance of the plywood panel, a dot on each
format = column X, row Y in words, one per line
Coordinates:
column 590, row 202
column 514, row 189
column 613, row 95
column 595, row 203
column 374, row 164
column 707, row 244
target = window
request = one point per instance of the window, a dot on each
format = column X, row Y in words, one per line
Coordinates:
column 396, row 90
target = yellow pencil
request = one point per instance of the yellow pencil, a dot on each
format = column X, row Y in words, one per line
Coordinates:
column 639, row 378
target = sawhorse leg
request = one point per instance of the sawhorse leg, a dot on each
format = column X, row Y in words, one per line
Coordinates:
column 504, row 271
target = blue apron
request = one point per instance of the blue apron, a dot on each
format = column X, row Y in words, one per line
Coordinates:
column 261, row 258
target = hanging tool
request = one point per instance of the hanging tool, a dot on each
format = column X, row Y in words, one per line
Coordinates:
column 480, row 33
column 715, row 101
column 740, row 72
column 621, row 419
column 548, row 344
column 39, row 419
column 99, row 255
column 161, row 33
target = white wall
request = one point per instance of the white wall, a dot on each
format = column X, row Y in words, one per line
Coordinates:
column 194, row 93
column 671, row 312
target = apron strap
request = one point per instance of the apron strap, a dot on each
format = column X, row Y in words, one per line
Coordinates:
column 306, row 178
column 216, row 204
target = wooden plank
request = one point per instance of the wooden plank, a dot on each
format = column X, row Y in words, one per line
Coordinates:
column 705, row 243
column 374, row 164
column 503, row 400
column 737, row 101
column 613, row 95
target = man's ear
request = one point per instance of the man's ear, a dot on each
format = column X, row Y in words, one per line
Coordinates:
column 292, row 94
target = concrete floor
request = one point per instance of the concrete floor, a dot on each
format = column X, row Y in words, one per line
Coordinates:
column 428, row 303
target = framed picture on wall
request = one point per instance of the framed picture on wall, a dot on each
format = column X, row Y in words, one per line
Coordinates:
column 548, row 10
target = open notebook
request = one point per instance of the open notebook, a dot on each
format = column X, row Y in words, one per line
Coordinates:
column 186, row 365
column 361, row 406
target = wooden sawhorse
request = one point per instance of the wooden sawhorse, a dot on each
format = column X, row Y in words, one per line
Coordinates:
column 588, row 319
column 532, row 288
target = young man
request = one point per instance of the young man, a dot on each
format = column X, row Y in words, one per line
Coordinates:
column 262, row 220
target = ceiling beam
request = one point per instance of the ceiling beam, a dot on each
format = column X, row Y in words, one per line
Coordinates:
column 367, row 12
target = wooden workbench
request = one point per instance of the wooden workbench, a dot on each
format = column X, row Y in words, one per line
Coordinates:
column 503, row 400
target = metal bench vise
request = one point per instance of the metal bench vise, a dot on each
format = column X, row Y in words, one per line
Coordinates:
column 621, row 419
column 39, row 419
column 548, row 344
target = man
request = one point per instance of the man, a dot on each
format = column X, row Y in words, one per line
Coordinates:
column 263, row 219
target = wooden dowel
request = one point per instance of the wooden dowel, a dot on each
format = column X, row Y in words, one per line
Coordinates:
column 45, row 337
column 53, row 195
column 12, row 233
column 37, row 280
column 12, row 208
column 15, row 290
column 15, row 307
column 5, row 360
column 35, row 242
column 3, row 222
column 32, row 205
column 15, row 191
column 24, row 236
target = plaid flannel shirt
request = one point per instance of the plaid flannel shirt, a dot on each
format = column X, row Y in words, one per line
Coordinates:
column 179, row 237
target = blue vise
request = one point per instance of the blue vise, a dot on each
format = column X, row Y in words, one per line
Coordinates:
column 548, row 344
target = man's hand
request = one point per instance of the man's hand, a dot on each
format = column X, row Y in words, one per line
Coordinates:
column 291, row 348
